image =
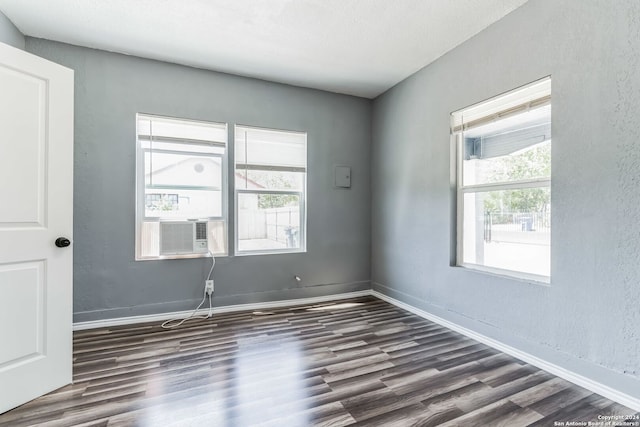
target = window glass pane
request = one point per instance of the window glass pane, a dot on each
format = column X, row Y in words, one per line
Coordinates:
column 512, row 149
column 508, row 229
column 150, row 239
column 268, row 221
column 218, row 237
column 268, row 147
column 171, row 203
column 272, row 180
column 182, row 170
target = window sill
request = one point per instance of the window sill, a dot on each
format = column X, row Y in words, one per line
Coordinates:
column 271, row 252
column 533, row 279
column 184, row 256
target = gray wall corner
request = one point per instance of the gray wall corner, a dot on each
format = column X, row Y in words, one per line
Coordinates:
column 110, row 89
column 590, row 309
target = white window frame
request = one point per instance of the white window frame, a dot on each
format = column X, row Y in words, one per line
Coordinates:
column 301, row 194
column 457, row 137
column 140, row 201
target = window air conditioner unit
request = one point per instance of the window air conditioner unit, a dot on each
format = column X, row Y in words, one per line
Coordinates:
column 183, row 237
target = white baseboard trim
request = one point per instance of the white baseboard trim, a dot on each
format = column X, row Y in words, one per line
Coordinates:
column 594, row 386
column 161, row 317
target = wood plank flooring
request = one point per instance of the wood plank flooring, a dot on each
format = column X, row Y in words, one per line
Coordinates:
column 352, row 362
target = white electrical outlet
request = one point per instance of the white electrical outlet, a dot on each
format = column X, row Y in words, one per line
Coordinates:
column 208, row 286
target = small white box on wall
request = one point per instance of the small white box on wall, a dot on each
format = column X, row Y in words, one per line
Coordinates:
column 342, row 177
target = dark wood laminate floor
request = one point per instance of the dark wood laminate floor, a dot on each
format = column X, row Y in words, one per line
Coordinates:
column 352, row 362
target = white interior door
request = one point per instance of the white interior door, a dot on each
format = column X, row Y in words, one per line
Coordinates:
column 36, row 179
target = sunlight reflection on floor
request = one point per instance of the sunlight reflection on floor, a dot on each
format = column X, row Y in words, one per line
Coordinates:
column 335, row 306
column 249, row 396
column 257, row 397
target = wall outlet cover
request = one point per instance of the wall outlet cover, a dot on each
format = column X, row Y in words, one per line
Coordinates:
column 342, row 177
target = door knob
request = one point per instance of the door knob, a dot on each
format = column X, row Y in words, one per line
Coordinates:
column 62, row 242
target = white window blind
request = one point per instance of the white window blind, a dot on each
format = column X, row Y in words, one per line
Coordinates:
column 270, row 185
column 181, row 175
column 503, row 173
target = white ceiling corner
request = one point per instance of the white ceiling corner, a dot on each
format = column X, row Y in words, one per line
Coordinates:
column 356, row 47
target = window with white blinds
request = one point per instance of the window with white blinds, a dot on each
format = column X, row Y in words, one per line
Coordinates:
column 270, row 190
column 503, row 175
column 181, row 176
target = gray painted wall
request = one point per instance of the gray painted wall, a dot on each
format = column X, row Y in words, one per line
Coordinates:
column 110, row 89
column 588, row 319
column 9, row 34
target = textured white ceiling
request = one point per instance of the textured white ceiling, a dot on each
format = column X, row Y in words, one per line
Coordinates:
column 358, row 47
